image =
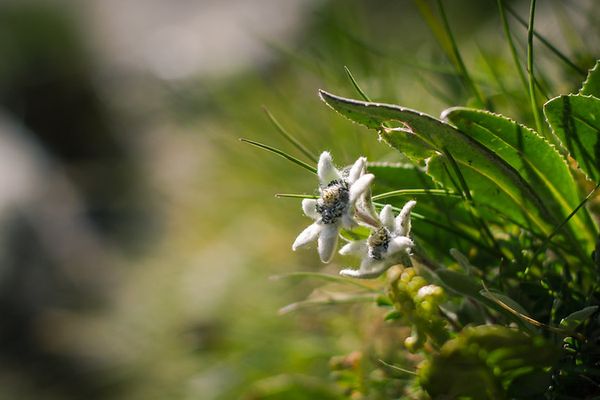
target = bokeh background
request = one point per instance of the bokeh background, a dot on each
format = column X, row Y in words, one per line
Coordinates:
column 138, row 235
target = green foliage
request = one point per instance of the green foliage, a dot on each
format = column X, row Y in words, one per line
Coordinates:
column 504, row 188
column 574, row 120
column 486, row 362
column 500, row 297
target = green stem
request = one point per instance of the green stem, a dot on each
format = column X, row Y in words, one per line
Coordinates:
column 457, row 57
column 546, row 43
column 355, row 84
column 511, row 44
column 410, row 192
column 289, row 137
column 532, row 92
column 280, row 153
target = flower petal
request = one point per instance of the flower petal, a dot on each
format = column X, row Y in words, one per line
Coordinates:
column 326, row 170
column 357, row 170
column 360, row 186
column 387, row 217
column 403, row 219
column 307, row 235
column 327, row 242
column 373, row 271
column 399, row 244
column 309, row 206
column 354, row 248
column 348, row 221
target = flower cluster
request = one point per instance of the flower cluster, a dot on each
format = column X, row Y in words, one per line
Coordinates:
column 345, row 202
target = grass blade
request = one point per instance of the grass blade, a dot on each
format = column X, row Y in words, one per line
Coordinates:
column 411, row 192
column 532, row 97
column 296, row 196
column 546, row 43
column 355, row 84
column 458, row 58
column 280, row 153
column 511, row 45
column 290, row 138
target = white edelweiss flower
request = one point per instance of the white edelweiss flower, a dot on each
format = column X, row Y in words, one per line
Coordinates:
column 334, row 209
column 386, row 246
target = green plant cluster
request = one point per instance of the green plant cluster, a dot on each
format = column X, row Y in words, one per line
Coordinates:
column 500, row 298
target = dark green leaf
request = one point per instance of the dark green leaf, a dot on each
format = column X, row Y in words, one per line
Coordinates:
column 591, row 86
column 575, row 120
column 536, row 160
column 435, row 135
column 576, row 318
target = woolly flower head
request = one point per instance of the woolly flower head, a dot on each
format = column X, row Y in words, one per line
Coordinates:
column 334, row 209
column 387, row 245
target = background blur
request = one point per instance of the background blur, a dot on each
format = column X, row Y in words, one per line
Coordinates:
column 138, row 234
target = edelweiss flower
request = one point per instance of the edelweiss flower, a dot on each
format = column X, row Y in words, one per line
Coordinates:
column 335, row 207
column 386, row 246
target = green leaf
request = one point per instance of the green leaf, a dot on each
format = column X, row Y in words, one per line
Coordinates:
column 496, row 295
column 537, row 161
column 446, row 210
column 460, row 283
column 575, row 120
column 392, row 176
column 393, row 315
column 591, row 86
column 575, row 319
column 483, row 189
column 484, row 166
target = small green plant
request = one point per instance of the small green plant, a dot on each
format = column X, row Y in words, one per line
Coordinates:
column 482, row 246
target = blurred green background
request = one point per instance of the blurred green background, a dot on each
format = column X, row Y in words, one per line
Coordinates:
column 138, row 234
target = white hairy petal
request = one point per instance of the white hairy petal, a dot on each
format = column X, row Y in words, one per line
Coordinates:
column 307, row 235
column 370, row 272
column 357, row 170
column 387, row 217
column 309, row 206
column 403, row 219
column 399, row 244
column 348, row 221
column 354, row 248
column 360, row 186
column 327, row 242
column 326, row 170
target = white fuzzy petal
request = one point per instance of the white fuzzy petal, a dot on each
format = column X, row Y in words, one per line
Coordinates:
column 399, row 244
column 354, row 248
column 348, row 221
column 357, row 170
column 360, row 186
column 387, row 217
column 373, row 271
column 403, row 219
column 326, row 170
column 309, row 206
column 327, row 242
column 307, row 235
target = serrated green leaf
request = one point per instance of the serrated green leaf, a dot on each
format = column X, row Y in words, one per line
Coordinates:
column 483, row 189
column 445, row 139
column 591, row 86
column 536, row 160
column 445, row 210
column 575, row 120
column 573, row 320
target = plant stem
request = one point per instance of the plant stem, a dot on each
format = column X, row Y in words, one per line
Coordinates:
column 511, row 44
column 532, row 96
column 457, row 57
